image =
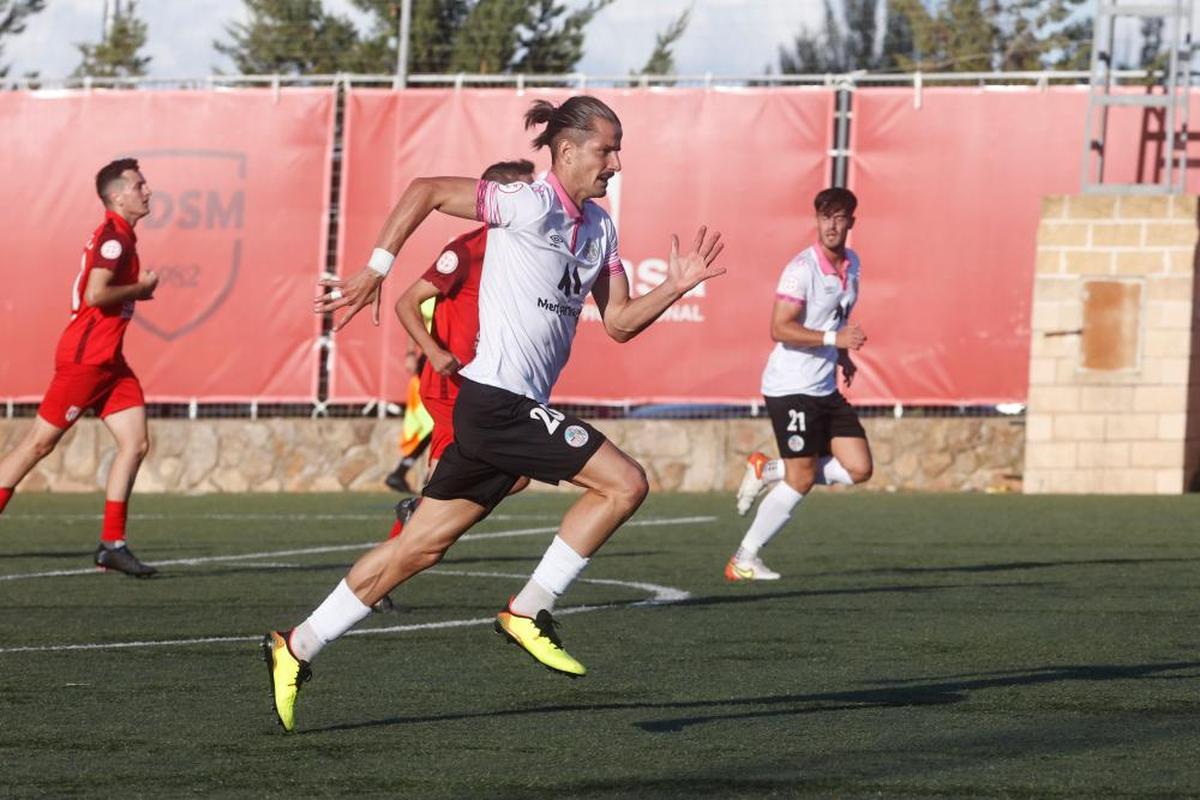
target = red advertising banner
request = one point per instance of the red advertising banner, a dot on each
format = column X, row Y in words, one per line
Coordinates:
column 950, row 182
column 743, row 161
column 950, row 198
column 237, row 233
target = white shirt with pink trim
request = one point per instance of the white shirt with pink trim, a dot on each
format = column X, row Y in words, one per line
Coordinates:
column 824, row 300
column 543, row 255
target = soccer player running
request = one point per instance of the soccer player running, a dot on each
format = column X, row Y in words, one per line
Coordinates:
column 820, row 438
column 90, row 369
column 449, row 343
column 547, row 248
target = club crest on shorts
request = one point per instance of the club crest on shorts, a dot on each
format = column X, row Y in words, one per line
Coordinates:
column 575, row 435
column 447, row 262
column 796, row 443
column 73, row 413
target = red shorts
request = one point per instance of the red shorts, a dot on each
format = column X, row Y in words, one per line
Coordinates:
column 76, row 387
column 442, row 412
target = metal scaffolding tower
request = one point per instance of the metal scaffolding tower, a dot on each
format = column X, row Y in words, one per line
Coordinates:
column 1167, row 95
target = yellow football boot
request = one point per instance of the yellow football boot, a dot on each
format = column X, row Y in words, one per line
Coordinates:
column 537, row 638
column 287, row 674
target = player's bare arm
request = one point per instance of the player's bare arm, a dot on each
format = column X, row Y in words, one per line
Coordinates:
column 786, row 328
column 101, row 292
column 625, row 317
column 453, row 196
column 408, row 311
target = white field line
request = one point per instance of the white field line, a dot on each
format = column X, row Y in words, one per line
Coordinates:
column 660, row 595
column 265, row 515
column 190, row 562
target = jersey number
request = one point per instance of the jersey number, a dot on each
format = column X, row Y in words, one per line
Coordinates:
column 570, row 283
column 548, row 416
column 77, row 287
column 796, row 423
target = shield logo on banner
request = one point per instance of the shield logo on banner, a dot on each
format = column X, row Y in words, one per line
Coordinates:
column 193, row 236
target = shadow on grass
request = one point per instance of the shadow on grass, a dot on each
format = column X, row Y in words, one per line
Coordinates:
column 72, row 554
column 937, row 692
column 1015, row 566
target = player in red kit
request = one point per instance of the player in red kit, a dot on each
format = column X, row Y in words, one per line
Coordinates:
column 450, row 342
column 89, row 368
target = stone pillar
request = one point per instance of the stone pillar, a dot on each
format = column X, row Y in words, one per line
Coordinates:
column 1113, row 381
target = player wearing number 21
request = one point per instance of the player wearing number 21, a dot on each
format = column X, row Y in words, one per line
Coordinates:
column 548, row 247
column 820, row 438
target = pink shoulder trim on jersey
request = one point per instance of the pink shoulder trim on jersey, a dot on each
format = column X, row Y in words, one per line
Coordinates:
column 567, row 203
column 483, row 193
column 797, row 300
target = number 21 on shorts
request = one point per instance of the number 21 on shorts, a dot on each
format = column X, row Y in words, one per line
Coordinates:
column 795, row 421
column 548, row 417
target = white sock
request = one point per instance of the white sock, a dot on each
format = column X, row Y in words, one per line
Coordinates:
column 831, row 471
column 558, row 568
column 773, row 513
column 773, row 470
column 338, row 613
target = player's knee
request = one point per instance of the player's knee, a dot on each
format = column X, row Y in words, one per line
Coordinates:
column 861, row 473
column 136, row 448
column 42, row 446
column 633, row 487
column 801, row 483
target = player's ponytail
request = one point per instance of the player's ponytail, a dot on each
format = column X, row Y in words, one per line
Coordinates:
column 575, row 114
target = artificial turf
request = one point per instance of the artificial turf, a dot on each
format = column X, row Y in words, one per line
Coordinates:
column 917, row 646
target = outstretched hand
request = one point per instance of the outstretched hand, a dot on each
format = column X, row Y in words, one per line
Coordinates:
column 353, row 294
column 691, row 269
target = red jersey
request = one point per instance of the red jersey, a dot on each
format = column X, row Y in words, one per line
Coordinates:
column 455, row 325
column 94, row 335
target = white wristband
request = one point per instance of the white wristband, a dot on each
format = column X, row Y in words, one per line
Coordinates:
column 830, row 338
column 381, row 261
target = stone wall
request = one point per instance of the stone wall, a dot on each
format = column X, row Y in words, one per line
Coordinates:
column 1113, row 378
column 301, row 455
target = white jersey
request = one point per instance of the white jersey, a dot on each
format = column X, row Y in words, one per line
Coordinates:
column 825, row 299
column 543, row 255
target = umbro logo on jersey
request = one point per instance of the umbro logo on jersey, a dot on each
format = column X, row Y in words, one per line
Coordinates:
column 557, row 240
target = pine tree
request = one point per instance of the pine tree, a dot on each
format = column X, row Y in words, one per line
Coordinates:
column 433, row 26
column 970, row 36
column 292, row 37
column 12, row 21
column 551, row 44
column 838, row 48
column 117, row 55
column 662, row 57
column 479, row 36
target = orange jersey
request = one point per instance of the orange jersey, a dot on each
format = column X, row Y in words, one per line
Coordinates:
column 94, row 335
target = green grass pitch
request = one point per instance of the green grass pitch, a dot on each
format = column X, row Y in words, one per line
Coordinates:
column 918, row 646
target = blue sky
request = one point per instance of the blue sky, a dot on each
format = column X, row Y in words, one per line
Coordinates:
column 725, row 37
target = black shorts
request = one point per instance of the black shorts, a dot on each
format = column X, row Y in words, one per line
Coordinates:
column 500, row 436
column 805, row 424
